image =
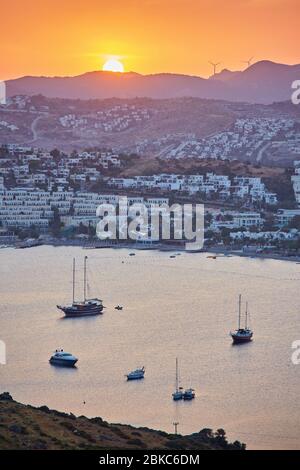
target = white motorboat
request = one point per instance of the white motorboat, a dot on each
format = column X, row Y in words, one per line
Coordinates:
column 62, row 358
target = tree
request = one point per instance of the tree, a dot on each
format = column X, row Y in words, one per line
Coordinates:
column 3, row 152
column 220, row 437
column 269, row 224
column 295, row 222
column 82, row 229
column 55, row 225
column 225, row 234
column 33, row 165
column 220, row 433
column 209, row 234
column 207, row 433
column 55, row 153
column 34, row 231
column 239, row 445
column 11, row 180
column 208, row 218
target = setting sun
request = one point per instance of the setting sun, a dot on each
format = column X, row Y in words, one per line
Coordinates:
column 113, row 65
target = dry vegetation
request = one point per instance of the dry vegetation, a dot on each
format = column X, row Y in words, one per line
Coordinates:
column 26, row 427
column 151, row 166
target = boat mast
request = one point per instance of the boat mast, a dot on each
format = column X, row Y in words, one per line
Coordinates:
column 176, row 374
column 246, row 316
column 84, row 279
column 73, row 280
column 240, row 301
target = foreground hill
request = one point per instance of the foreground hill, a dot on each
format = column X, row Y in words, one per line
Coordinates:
column 263, row 82
column 26, row 427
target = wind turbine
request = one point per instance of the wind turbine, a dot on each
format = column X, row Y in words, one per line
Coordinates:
column 214, row 66
column 248, row 62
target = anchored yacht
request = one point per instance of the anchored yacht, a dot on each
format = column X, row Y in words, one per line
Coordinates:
column 242, row 335
column 85, row 307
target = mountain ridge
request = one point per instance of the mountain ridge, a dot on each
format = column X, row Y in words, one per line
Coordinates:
column 263, row 82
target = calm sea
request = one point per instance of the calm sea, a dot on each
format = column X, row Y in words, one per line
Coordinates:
column 182, row 307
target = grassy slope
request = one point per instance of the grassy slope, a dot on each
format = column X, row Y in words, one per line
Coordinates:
column 152, row 166
column 26, row 427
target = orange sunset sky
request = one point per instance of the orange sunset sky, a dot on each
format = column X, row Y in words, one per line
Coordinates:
column 69, row 37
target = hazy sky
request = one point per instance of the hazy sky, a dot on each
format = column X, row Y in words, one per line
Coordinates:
column 66, row 37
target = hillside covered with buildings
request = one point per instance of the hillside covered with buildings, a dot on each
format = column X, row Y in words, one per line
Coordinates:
column 167, row 128
column 46, row 195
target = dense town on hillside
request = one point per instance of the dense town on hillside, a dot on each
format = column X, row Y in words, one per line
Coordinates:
column 170, row 129
column 56, row 194
column 247, row 138
column 116, row 119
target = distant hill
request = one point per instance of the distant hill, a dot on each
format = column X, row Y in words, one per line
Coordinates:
column 120, row 85
column 27, row 427
column 263, row 82
column 225, row 75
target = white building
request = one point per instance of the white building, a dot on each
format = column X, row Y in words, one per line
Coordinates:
column 247, row 219
column 296, row 185
column 285, row 216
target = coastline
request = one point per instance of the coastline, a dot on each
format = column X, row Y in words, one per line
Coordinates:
column 263, row 256
column 168, row 248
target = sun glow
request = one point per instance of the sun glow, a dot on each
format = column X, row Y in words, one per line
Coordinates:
column 113, row 65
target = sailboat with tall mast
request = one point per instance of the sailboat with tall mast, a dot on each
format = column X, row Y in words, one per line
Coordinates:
column 178, row 394
column 83, row 308
column 242, row 335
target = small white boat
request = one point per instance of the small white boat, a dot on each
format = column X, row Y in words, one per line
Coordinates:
column 189, row 394
column 136, row 374
column 178, row 394
column 61, row 358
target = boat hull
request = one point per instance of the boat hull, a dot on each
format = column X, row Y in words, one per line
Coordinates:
column 241, row 339
column 81, row 312
column 189, row 395
column 63, row 363
column 135, row 377
column 177, row 397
